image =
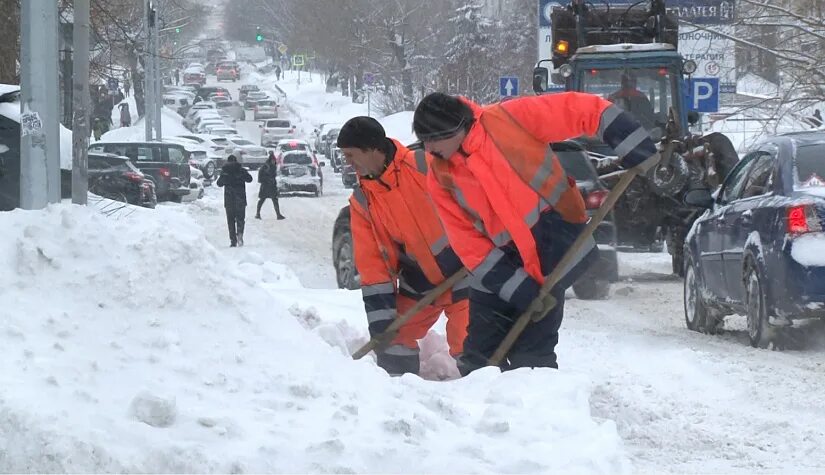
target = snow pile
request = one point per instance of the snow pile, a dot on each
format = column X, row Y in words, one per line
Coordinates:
column 172, row 124
column 809, row 250
column 153, row 352
column 399, row 127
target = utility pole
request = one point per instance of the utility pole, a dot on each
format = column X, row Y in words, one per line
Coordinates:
column 158, row 89
column 80, row 124
column 148, row 72
column 39, row 125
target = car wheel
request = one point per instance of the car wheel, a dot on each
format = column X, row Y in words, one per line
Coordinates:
column 345, row 272
column 695, row 310
column 589, row 288
column 756, row 310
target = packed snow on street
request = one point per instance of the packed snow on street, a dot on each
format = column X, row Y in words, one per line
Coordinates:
column 137, row 340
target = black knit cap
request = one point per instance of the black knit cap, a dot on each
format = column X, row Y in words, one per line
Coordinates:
column 362, row 132
column 440, row 116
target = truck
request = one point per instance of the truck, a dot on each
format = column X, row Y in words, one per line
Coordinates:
column 628, row 55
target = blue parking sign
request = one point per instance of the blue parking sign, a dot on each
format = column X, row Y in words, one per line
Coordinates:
column 703, row 94
column 508, row 86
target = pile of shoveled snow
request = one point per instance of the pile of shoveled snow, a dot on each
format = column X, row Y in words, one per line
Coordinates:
column 132, row 344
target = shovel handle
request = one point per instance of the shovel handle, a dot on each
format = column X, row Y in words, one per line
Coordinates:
column 428, row 298
column 559, row 271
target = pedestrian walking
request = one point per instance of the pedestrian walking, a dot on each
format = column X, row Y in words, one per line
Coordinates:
column 125, row 115
column 268, row 178
column 233, row 179
column 278, row 72
column 127, row 86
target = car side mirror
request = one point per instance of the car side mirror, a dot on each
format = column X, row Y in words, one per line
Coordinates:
column 700, row 198
column 541, row 76
column 693, row 117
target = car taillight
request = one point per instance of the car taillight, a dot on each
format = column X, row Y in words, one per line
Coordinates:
column 164, row 172
column 595, row 199
column 133, row 176
column 802, row 219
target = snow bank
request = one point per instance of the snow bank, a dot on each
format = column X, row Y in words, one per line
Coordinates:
column 399, row 127
column 172, row 124
column 809, row 250
column 132, row 344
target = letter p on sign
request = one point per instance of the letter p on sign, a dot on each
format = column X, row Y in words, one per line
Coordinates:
column 703, row 94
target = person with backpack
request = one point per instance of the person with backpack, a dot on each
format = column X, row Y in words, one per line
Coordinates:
column 234, row 178
column 401, row 250
column 268, row 178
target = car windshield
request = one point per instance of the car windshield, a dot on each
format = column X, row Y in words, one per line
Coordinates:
column 221, row 142
column 284, row 124
column 224, row 104
column 242, row 142
column 266, row 103
column 297, row 159
column 97, row 162
column 647, row 93
column 810, row 165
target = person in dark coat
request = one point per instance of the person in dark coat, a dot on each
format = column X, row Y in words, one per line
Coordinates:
column 267, row 177
column 234, row 178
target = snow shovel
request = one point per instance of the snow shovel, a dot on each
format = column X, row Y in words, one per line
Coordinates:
column 428, row 298
column 544, row 302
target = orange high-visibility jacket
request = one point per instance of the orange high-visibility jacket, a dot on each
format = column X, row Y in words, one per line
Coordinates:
column 503, row 180
column 400, row 245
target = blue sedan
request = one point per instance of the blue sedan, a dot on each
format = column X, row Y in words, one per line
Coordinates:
column 759, row 248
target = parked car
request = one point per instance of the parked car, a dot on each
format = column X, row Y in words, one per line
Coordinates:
column 252, row 97
column 199, row 156
column 299, row 171
column 194, row 76
column 336, row 157
column 291, row 145
column 348, row 176
column 221, row 131
column 166, row 165
column 275, row 130
column 179, row 103
column 246, row 89
column 321, row 131
column 233, row 109
column 328, row 140
column 594, row 284
column 208, row 123
column 205, row 91
column 759, row 247
column 249, row 154
column 265, row 109
column 214, row 145
column 196, row 184
column 116, row 178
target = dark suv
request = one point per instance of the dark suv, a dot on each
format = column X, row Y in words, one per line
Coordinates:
column 166, row 165
column 594, row 284
column 114, row 177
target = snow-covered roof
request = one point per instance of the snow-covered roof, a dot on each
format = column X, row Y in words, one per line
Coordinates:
column 624, row 47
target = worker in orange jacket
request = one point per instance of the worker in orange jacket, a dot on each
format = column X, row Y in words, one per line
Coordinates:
column 401, row 249
column 509, row 209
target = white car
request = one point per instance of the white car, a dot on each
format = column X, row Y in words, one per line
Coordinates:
column 247, row 152
column 206, row 124
column 265, row 109
column 300, row 171
column 291, row 145
column 222, row 131
column 274, row 130
column 199, row 156
column 196, row 191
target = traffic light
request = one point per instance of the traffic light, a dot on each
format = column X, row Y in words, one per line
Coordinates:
column 258, row 35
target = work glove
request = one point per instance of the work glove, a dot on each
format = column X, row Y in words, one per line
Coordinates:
column 648, row 167
column 539, row 308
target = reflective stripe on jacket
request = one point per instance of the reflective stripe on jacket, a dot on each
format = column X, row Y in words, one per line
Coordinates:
column 399, row 242
column 504, row 179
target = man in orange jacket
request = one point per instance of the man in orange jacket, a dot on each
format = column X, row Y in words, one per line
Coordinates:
column 509, row 209
column 401, row 250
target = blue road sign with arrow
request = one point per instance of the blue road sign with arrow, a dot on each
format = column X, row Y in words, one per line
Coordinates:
column 508, row 86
